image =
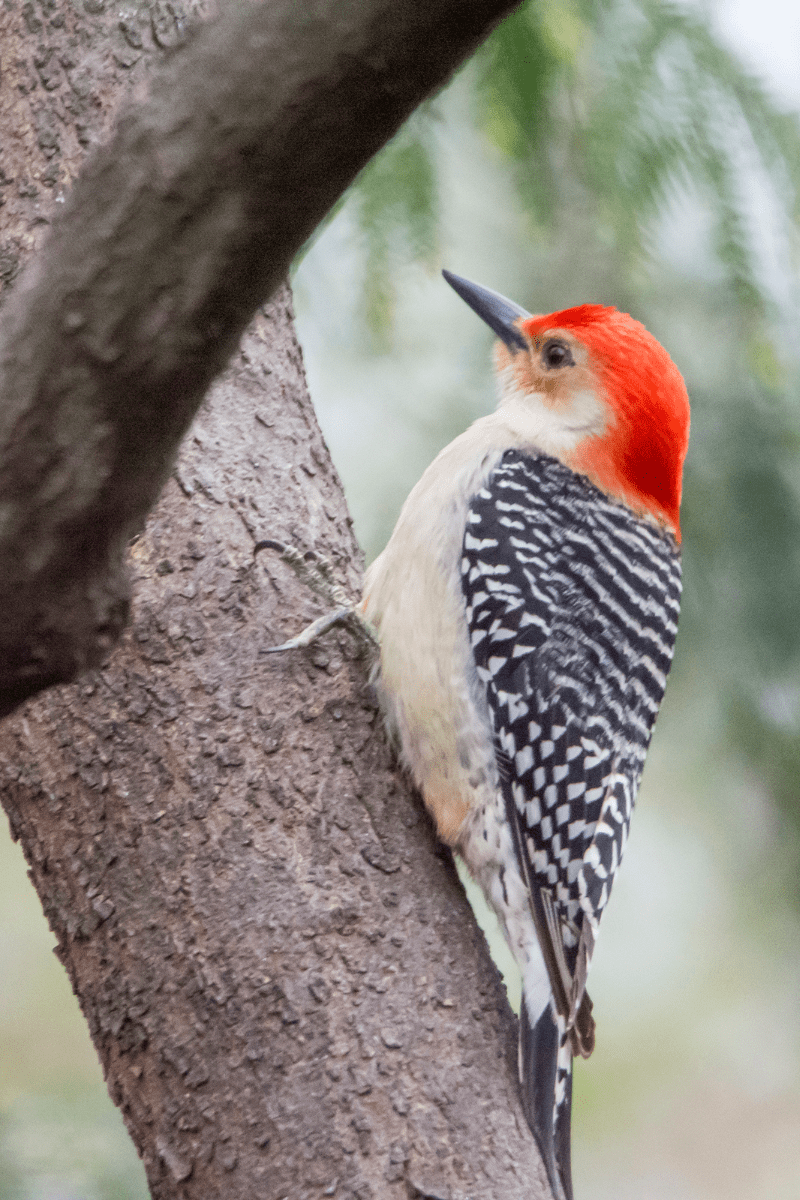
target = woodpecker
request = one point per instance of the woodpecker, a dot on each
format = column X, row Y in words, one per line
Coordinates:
column 526, row 609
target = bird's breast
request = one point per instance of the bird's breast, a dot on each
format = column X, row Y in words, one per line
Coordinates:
column 433, row 702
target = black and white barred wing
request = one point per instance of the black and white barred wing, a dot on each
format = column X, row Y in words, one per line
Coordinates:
column 572, row 606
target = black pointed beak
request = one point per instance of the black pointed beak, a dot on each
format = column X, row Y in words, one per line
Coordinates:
column 499, row 314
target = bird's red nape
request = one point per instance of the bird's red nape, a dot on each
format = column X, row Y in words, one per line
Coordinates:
column 639, row 457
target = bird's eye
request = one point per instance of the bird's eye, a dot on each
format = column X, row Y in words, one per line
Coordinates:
column 557, row 354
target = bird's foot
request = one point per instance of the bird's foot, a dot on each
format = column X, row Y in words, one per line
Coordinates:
column 315, row 571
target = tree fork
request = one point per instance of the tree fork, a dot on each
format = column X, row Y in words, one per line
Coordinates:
column 176, row 230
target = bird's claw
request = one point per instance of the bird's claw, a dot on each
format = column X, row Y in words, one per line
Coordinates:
column 315, row 571
column 346, row 615
column 310, row 568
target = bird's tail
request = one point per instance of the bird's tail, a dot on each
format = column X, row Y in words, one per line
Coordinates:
column 545, row 1067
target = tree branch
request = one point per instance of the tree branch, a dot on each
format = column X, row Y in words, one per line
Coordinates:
column 175, row 232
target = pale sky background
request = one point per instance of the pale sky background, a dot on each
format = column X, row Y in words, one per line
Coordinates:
column 766, row 36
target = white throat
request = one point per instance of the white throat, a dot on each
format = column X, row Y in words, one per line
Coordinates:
column 555, row 429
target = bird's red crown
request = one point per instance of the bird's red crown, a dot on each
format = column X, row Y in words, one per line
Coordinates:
column 640, row 455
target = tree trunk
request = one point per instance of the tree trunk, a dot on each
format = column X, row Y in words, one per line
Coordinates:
column 280, row 972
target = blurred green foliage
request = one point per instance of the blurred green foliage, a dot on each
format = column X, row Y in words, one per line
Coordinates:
column 621, row 99
column 397, row 199
column 602, row 103
column 61, row 1138
column 68, row 1147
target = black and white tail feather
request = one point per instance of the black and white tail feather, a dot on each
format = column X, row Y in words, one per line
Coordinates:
column 572, row 603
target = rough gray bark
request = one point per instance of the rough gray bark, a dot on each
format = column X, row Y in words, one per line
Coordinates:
column 280, row 973
column 174, row 233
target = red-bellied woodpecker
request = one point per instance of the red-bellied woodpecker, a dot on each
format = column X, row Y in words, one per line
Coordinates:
column 526, row 608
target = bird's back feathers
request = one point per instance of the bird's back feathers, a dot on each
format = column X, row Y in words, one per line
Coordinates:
column 572, row 604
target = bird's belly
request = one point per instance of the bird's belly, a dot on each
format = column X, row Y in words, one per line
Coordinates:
column 431, row 700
